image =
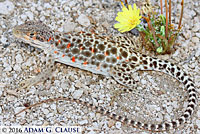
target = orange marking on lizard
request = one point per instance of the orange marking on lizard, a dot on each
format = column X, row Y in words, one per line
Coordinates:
column 92, row 50
column 105, row 54
column 49, row 39
column 73, row 59
column 127, row 60
column 55, row 52
column 81, row 48
column 85, row 63
column 118, row 57
column 63, row 55
column 68, row 45
column 59, row 41
column 81, row 32
column 34, row 38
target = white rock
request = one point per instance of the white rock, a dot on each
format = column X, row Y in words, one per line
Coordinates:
column 175, row 105
column 19, row 59
column 118, row 125
column 72, row 3
column 6, row 7
column 23, row 17
column 143, row 81
column 195, row 39
column 88, row 3
column 83, row 20
column 92, row 132
column 192, row 13
column 169, row 109
column 69, row 26
column 64, row 85
column 153, row 108
column 196, row 27
column 198, row 123
column 45, row 111
column 30, row 15
column 32, row 9
column 39, row 8
column 66, row 9
column 47, row 5
column 42, row 18
column 18, row 109
column 17, row 67
column 1, row 94
column 7, row 68
column 144, row 133
column 167, row 117
column 78, row 84
column 3, row 40
column 198, row 35
column 187, row 34
column 92, row 115
column 53, row 106
column 77, row 94
column 83, row 122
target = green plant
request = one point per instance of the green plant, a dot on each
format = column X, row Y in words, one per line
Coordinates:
column 160, row 35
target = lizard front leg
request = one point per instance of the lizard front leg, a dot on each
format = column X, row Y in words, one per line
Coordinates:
column 42, row 76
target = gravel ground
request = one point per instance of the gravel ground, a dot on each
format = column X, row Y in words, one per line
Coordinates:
column 157, row 97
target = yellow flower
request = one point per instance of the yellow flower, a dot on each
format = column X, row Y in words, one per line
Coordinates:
column 128, row 18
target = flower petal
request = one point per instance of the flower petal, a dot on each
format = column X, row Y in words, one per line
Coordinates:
column 128, row 18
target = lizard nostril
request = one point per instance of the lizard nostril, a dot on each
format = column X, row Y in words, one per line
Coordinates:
column 16, row 32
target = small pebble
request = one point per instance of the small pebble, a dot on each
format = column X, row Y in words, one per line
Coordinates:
column 118, row 125
column 198, row 123
column 6, row 7
column 17, row 67
column 83, row 122
column 19, row 59
column 69, row 26
column 83, row 20
column 30, row 15
column 53, row 106
column 18, row 109
column 45, row 111
column 198, row 35
column 111, row 123
column 77, row 94
column 196, row 27
column 195, row 39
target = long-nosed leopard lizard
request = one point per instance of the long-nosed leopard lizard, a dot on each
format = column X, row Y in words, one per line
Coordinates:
column 111, row 57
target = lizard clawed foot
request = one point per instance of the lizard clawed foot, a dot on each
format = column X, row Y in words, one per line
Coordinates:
column 35, row 79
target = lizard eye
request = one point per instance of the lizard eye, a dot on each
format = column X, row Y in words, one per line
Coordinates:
column 31, row 35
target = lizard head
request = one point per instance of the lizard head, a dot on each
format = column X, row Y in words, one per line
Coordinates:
column 34, row 33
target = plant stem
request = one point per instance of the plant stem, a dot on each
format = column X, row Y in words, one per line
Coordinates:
column 126, row 2
column 166, row 26
column 152, row 30
column 179, row 24
column 161, row 7
column 170, row 11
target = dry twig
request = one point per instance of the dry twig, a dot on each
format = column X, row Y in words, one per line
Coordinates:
column 179, row 24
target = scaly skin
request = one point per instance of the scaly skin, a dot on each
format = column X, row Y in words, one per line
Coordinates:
column 113, row 57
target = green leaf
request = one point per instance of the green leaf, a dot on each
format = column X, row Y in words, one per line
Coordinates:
column 163, row 19
column 162, row 30
column 159, row 49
